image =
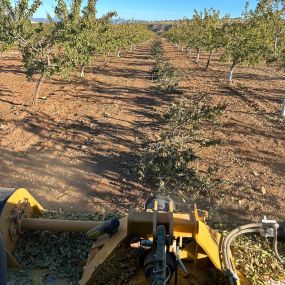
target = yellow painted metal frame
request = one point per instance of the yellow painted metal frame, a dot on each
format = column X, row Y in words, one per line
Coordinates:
column 33, row 209
column 206, row 242
column 96, row 259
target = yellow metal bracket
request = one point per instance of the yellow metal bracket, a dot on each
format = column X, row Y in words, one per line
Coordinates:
column 20, row 201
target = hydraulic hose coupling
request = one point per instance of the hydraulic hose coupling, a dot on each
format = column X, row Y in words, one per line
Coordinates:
column 270, row 228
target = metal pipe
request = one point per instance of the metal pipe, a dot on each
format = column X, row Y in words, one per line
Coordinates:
column 227, row 241
column 250, row 228
column 58, row 225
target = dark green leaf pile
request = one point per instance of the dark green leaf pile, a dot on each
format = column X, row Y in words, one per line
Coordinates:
column 47, row 255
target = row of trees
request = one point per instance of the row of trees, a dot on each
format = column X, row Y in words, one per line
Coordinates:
column 66, row 44
column 259, row 35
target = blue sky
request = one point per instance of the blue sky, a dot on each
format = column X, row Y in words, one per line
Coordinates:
column 157, row 9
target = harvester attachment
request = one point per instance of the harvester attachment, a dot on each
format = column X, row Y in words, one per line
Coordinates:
column 171, row 248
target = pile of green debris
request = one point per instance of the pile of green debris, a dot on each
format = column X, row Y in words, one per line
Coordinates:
column 255, row 258
column 48, row 256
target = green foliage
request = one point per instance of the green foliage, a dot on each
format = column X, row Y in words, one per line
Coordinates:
column 249, row 41
column 34, row 41
column 182, row 33
column 203, row 31
column 123, row 36
column 70, row 43
column 6, row 41
column 15, row 23
column 156, row 51
column 166, row 166
column 37, row 51
column 245, row 42
column 79, row 32
column 168, row 163
column 256, row 37
column 254, row 258
column 272, row 13
column 187, row 117
column 62, row 255
column 197, row 23
column 163, row 71
column 166, row 75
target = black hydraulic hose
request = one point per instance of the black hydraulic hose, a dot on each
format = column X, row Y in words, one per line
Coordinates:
column 3, row 262
column 275, row 247
column 281, row 231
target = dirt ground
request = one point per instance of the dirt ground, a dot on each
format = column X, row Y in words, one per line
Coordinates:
column 71, row 151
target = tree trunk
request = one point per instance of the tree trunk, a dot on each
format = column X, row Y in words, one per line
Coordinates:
column 82, row 70
column 189, row 52
column 209, row 60
column 38, row 89
column 48, row 60
column 283, row 109
column 232, row 72
column 275, row 45
column 198, row 56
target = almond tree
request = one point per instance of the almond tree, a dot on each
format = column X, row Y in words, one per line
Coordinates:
column 246, row 41
column 53, row 48
column 212, row 32
column 198, row 33
column 272, row 12
column 6, row 41
column 33, row 41
column 185, row 35
column 80, row 32
column 182, row 34
column 15, row 23
column 124, row 36
column 57, row 47
column 39, row 56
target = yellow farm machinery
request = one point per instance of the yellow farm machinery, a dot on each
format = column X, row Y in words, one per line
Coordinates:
column 173, row 248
